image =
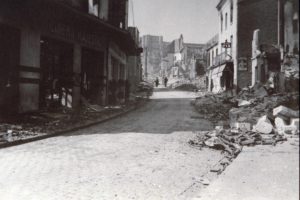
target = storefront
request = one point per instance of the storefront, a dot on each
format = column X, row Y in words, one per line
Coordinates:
column 93, row 83
column 9, row 62
column 222, row 78
column 59, row 57
column 56, row 73
column 118, row 77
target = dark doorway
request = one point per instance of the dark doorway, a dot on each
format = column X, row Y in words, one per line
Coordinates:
column 56, row 77
column 228, row 76
column 92, row 85
column 9, row 62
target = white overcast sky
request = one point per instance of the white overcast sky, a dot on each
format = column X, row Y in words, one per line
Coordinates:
column 197, row 20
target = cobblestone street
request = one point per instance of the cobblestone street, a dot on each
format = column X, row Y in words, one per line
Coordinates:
column 142, row 155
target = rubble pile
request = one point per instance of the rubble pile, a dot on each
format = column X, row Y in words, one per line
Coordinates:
column 256, row 105
column 145, row 87
column 257, row 116
column 232, row 140
column 186, row 87
column 214, row 107
column 291, row 70
column 9, row 132
column 32, row 125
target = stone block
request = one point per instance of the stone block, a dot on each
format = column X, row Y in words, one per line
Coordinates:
column 263, row 125
column 283, row 128
column 287, row 112
column 295, row 122
column 244, row 103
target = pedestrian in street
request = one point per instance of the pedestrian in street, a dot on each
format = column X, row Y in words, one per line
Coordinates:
column 156, row 82
column 166, row 81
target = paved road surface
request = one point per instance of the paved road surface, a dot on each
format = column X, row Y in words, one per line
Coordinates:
column 142, row 155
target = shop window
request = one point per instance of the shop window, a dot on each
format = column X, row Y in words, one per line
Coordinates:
column 56, row 74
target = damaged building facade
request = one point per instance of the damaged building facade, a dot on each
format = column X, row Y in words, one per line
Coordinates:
column 289, row 43
column 184, row 61
column 238, row 19
column 63, row 53
column 277, row 65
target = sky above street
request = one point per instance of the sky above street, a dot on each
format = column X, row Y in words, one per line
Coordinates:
column 197, row 20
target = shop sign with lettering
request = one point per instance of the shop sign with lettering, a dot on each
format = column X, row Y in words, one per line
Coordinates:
column 116, row 49
column 69, row 33
column 226, row 45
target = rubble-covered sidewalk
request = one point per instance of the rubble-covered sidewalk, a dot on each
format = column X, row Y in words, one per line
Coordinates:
column 24, row 128
column 252, row 123
column 259, row 173
column 254, row 115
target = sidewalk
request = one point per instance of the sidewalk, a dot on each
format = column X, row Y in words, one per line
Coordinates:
column 259, row 173
column 33, row 127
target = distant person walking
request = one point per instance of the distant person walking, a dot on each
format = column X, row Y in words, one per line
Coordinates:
column 166, row 81
column 156, row 82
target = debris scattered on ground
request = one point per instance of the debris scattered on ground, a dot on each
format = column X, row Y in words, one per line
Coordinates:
column 145, row 87
column 214, row 107
column 262, row 102
column 186, row 87
column 257, row 116
column 26, row 126
column 231, row 141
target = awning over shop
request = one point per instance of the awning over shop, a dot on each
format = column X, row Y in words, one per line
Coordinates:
column 218, row 72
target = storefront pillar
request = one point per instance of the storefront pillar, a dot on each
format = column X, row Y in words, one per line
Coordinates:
column 29, row 71
column 76, row 76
